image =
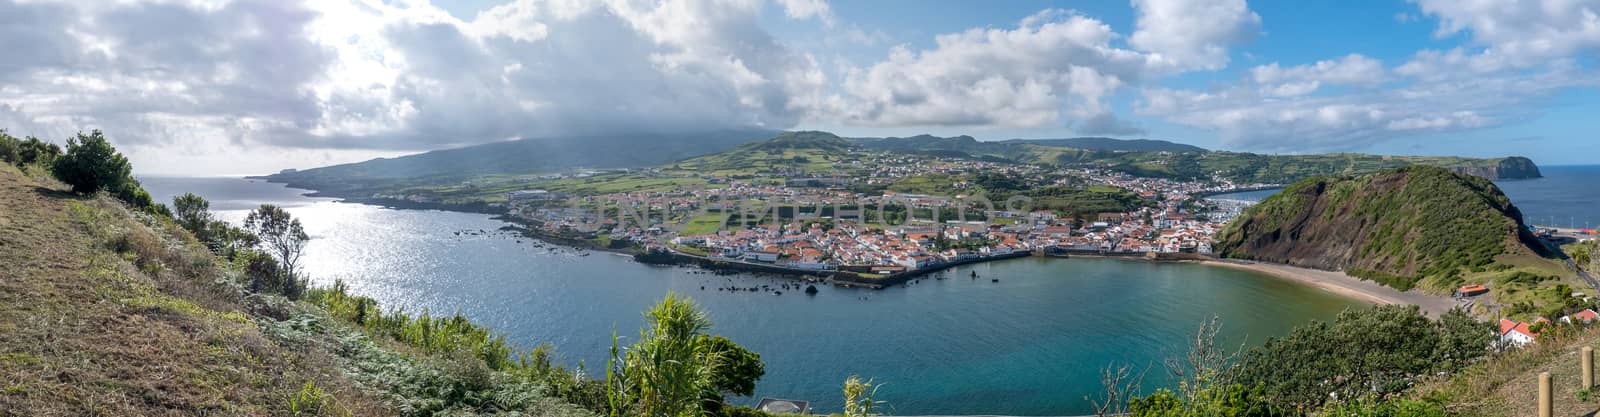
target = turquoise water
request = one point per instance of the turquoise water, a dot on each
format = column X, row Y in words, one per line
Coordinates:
column 1567, row 196
column 1031, row 344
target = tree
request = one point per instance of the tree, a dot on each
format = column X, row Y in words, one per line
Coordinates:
column 281, row 235
column 737, row 369
column 91, row 164
column 1463, row 339
column 228, row 241
column 193, row 213
column 1365, row 353
column 264, row 274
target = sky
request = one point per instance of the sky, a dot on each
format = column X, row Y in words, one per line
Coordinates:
column 233, row 87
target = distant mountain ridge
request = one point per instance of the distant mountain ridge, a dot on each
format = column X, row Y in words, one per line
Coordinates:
column 974, row 146
column 526, row 156
column 1113, row 144
column 788, row 153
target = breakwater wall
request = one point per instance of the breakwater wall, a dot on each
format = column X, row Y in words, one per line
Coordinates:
column 841, row 278
column 902, row 277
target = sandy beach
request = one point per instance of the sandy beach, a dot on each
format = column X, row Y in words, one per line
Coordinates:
column 1339, row 283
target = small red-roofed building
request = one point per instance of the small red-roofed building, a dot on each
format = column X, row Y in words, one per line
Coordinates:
column 1586, row 316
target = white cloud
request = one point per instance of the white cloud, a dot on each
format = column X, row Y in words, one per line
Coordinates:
column 1019, row 77
column 1350, row 70
column 1518, row 54
column 1522, row 33
column 275, row 76
column 1054, row 68
column 1247, row 117
column 1192, row 34
column 806, row 9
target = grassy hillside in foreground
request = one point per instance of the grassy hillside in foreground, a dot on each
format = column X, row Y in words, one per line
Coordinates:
column 106, row 311
column 1408, row 227
column 1507, row 384
column 104, row 315
column 110, row 311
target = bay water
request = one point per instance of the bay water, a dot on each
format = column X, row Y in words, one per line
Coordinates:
column 1031, row 344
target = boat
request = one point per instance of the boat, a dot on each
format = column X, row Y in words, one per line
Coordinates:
column 974, row 274
column 994, row 280
column 811, row 290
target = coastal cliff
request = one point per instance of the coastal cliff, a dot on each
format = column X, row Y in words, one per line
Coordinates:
column 1399, row 227
column 1508, row 168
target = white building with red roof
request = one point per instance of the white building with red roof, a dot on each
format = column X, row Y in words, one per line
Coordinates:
column 1586, row 316
column 1518, row 333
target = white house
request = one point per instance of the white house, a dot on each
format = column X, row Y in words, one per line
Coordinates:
column 1519, row 334
column 761, row 256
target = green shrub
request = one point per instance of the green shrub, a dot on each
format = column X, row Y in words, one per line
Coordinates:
column 1391, row 408
column 431, row 334
column 91, row 164
column 9, row 148
column 1232, row 400
column 1380, row 351
column 311, row 400
column 858, row 397
column 26, row 152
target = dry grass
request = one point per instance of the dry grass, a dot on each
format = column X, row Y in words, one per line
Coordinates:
column 105, row 315
column 1507, row 385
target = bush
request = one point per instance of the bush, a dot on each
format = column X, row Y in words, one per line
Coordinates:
column 674, row 368
column 24, row 152
column 35, row 151
column 9, row 148
column 1380, row 351
column 1391, row 408
column 268, row 277
column 91, row 165
column 1232, row 400
column 311, row 400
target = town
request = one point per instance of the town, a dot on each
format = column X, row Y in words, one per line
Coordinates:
column 821, row 223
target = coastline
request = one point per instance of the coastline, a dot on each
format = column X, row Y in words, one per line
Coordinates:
column 1345, row 285
column 1332, row 281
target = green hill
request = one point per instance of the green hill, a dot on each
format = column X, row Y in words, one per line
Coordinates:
column 808, row 152
column 1282, row 169
column 1112, row 144
column 1407, row 227
column 1162, row 159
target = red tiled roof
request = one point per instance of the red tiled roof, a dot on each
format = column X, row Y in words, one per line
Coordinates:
column 1587, row 315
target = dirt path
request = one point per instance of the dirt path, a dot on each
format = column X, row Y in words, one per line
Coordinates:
column 1339, row 283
